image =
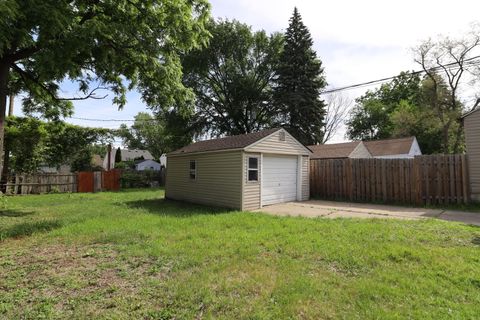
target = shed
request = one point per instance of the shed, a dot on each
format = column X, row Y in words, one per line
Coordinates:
column 471, row 123
column 147, row 165
column 242, row 172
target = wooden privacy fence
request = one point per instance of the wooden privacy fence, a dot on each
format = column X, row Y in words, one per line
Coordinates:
column 441, row 179
column 98, row 181
column 40, row 183
column 53, row 182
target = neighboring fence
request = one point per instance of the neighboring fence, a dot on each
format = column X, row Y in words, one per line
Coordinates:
column 98, row 181
column 40, row 183
column 439, row 179
column 53, row 182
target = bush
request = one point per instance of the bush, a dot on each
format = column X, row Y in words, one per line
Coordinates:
column 140, row 179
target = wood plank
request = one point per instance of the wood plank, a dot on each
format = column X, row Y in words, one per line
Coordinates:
column 465, row 180
column 458, row 179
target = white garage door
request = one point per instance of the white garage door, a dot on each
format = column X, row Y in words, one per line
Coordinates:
column 279, row 179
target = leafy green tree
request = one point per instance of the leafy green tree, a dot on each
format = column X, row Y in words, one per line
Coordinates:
column 32, row 142
column 113, row 44
column 153, row 133
column 451, row 67
column 25, row 140
column 118, row 156
column 370, row 118
column 232, row 79
column 406, row 106
column 299, row 84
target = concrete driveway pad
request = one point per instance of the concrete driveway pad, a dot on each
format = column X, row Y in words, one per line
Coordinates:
column 332, row 209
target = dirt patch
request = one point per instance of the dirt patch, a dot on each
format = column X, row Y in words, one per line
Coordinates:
column 64, row 277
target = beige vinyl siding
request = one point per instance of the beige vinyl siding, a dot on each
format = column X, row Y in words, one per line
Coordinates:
column 272, row 144
column 360, row 151
column 218, row 183
column 305, row 178
column 251, row 190
column 472, row 137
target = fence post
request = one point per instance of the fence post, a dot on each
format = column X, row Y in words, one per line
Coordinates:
column 349, row 176
column 417, row 181
column 465, row 180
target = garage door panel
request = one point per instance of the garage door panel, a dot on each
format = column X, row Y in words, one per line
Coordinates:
column 279, row 179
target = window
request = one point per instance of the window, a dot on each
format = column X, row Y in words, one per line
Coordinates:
column 193, row 169
column 281, row 136
column 252, row 169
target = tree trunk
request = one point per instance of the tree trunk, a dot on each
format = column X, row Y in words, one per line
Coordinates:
column 4, row 73
column 458, row 137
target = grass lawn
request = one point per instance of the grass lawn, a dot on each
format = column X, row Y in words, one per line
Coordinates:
column 131, row 255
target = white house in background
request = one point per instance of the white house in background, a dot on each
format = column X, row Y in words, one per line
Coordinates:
column 126, row 155
column 401, row 148
column 148, row 165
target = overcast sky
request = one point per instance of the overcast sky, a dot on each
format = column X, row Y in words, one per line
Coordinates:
column 357, row 41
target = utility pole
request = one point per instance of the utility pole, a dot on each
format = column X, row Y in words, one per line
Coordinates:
column 10, row 106
column 109, row 160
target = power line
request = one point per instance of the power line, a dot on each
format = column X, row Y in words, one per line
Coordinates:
column 470, row 62
column 112, row 120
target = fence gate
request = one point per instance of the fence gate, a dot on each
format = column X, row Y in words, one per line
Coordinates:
column 111, row 180
column 85, row 182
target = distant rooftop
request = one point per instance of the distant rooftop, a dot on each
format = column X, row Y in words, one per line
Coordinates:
column 376, row 148
column 132, row 154
column 333, row 151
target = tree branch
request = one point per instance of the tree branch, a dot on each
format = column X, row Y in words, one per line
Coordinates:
column 28, row 77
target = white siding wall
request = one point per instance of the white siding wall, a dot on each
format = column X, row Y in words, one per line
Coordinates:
column 219, row 179
column 148, row 165
column 360, row 151
column 273, row 144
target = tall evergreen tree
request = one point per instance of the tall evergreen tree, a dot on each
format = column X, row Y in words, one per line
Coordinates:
column 299, row 83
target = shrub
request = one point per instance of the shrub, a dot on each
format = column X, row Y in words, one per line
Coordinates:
column 140, row 179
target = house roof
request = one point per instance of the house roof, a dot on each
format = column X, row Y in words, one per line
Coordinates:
column 333, row 151
column 389, row 146
column 134, row 154
column 470, row 112
column 232, row 142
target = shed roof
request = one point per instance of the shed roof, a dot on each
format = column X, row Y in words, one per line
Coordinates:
column 389, row 146
column 333, row 151
column 227, row 143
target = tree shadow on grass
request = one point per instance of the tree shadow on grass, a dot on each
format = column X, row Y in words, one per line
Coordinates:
column 14, row 213
column 29, row 228
column 476, row 241
column 176, row 208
